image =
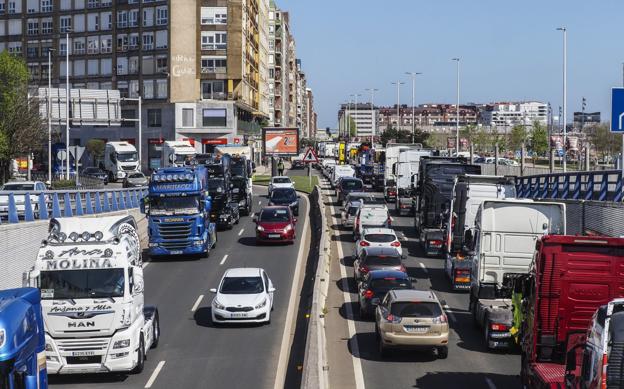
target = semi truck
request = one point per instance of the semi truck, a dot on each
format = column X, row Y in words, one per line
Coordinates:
column 177, row 153
column 569, row 316
column 22, row 340
column 120, row 159
column 90, row 273
column 178, row 208
column 406, row 172
column 469, row 191
column 223, row 212
column 503, row 240
column 391, row 157
column 242, row 164
column 432, row 199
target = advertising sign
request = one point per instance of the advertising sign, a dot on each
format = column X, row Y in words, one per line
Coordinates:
column 280, row 141
column 450, row 142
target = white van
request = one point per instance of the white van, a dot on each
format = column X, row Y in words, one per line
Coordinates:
column 341, row 171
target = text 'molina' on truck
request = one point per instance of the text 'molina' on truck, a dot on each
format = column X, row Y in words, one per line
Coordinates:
column 178, row 208
column 22, row 340
column 90, row 273
column 120, row 159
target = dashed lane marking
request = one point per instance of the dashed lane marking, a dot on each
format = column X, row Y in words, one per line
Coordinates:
column 154, row 375
column 225, row 257
column 197, row 302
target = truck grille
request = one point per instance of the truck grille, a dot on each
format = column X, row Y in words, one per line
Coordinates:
column 70, row 345
column 175, row 235
column 239, row 309
column 128, row 168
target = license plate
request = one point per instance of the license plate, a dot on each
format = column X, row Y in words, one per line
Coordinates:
column 176, row 251
column 83, row 353
column 274, row 236
column 416, row 329
column 238, row 315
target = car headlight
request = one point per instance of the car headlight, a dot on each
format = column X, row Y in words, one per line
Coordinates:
column 288, row 227
column 261, row 305
column 260, row 228
column 122, row 343
column 217, row 304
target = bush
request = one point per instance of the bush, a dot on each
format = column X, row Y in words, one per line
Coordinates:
column 64, row 184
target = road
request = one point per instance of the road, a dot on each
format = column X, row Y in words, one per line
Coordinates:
column 193, row 353
column 468, row 364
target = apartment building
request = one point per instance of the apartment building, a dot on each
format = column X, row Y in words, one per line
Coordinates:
column 509, row 114
column 365, row 117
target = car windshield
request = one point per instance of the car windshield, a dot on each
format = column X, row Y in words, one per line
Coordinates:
column 242, row 285
column 351, row 184
column 416, row 309
column 284, row 195
column 18, row 187
column 136, row 175
column 353, row 210
column 84, row 283
column 382, row 260
column 379, row 238
column 127, row 157
column 274, row 215
column 92, row 170
column 386, row 284
column 281, row 180
column 216, row 185
column 186, row 205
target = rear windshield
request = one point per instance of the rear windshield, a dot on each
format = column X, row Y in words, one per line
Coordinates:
column 18, row 187
column 351, row 184
column 379, row 238
column 416, row 309
column 386, row 284
column 283, row 180
column 375, row 200
column 275, row 215
column 353, row 211
column 382, row 260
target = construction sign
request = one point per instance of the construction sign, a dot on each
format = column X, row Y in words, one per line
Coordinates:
column 310, row 156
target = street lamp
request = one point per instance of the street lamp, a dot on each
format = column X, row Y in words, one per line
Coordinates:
column 565, row 94
column 67, row 31
column 398, row 85
column 373, row 116
column 355, row 98
column 457, row 110
column 413, row 74
column 49, row 106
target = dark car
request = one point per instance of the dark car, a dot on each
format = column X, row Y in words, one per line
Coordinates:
column 377, row 258
column 275, row 224
column 96, row 172
column 297, row 164
column 348, row 185
column 135, row 180
column 376, row 284
column 287, row 197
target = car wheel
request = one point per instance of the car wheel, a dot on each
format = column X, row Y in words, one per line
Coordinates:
column 140, row 357
column 442, row 352
column 156, row 330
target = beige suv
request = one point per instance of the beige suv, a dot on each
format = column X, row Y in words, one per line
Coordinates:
column 411, row 319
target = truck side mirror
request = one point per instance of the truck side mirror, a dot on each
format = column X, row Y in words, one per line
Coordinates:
column 171, row 158
column 207, row 205
column 571, row 360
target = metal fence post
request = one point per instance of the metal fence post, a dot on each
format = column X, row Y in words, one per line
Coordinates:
column 67, row 208
column 43, row 207
column 12, row 216
column 28, row 211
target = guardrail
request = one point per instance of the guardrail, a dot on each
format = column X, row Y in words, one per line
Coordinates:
column 587, row 185
column 32, row 205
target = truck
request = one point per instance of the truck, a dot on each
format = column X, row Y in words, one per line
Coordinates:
column 571, row 279
column 391, row 157
column 90, row 274
column 365, row 164
column 223, row 212
column 177, row 153
column 432, row 199
column 120, row 159
column 178, row 209
column 406, row 172
column 469, row 191
column 22, row 340
column 503, row 239
column 241, row 161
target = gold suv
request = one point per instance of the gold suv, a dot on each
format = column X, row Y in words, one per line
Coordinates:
column 411, row 319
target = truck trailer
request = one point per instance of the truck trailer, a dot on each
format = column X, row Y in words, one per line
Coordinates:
column 406, row 173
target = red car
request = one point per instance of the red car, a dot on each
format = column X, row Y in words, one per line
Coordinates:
column 275, row 224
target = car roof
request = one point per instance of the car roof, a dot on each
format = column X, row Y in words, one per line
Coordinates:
column 243, row 272
column 377, row 274
column 270, row 207
column 380, row 250
column 361, row 194
column 273, row 178
column 409, row 295
column 22, row 182
column 376, row 230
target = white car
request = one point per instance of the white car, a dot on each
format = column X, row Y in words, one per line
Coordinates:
column 370, row 216
column 377, row 237
column 33, row 187
column 280, row 182
column 244, row 295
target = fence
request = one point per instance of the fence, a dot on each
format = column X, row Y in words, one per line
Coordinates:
column 594, row 218
column 589, row 185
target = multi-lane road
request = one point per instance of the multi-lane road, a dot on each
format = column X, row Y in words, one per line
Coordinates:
column 192, row 352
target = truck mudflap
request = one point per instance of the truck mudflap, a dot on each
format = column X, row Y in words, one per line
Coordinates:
column 432, row 242
column 458, row 269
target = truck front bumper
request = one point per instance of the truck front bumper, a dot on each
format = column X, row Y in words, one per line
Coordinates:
column 192, row 248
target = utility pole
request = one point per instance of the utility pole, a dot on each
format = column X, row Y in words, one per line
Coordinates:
column 413, row 74
column 49, row 106
column 398, row 84
column 373, row 116
column 565, row 95
column 457, row 110
column 67, row 104
column 355, row 98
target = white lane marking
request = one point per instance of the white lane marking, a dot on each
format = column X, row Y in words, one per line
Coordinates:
column 197, row 302
column 145, row 264
column 357, row 363
column 449, row 313
column 490, row 383
column 241, row 232
column 422, row 265
column 225, row 257
column 282, row 364
column 152, row 378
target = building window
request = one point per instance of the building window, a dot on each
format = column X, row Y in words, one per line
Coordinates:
column 122, row 42
column 15, row 47
column 93, row 22
column 187, row 117
column 161, row 89
column 148, row 17
column 93, row 67
column 133, row 65
column 161, row 39
column 122, row 86
column 133, row 18
column 154, row 118
column 32, row 6
column 133, row 41
column 107, row 21
column 46, row 26
column 213, row 15
column 2, row 7
column 33, row 27
column 122, row 65
column 122, row 19
column 93, row 45
column 213, row 64
column 126, row 113
column 148, row 41
column 12, row 7
column 213, row 90
column 148, row 89
column 32, row 51
column 161, row 64
column 214, row 117
column 46, row 5
column 92, row 3
column 212, row 40
column 66, row 23
column 79, row 46
column 162, row 16
column 106, row 44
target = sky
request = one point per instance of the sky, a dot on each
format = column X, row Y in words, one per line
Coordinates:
column 509, row 50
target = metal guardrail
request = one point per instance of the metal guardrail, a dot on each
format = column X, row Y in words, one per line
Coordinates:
column 32, row 205
column 587, row 185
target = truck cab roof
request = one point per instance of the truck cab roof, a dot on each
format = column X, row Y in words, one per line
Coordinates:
column 16, row 306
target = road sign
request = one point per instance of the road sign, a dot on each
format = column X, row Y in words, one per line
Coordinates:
column 76, row 151
column 617, row 110
column 310, row 156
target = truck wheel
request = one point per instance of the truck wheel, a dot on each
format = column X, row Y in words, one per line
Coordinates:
column 486, row 332
column 155, row 330
column 442, row 352
column 475, row 321
column 141, row 357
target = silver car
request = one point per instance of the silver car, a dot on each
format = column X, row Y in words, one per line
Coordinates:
column 348, row 213
column 135, row 179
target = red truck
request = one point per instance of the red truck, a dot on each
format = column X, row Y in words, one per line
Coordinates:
column 570, row 278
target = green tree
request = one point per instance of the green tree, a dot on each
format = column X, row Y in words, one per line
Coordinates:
column 404, row 136
column 482, row 140
column 96, row 147
column 469, row 133
column 518, row 137
column 499, row 139
column 605, row 142
column 21, row 127
column 539, row 139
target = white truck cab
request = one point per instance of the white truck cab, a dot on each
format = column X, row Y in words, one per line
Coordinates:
column 177, row 153
column 120, row 159
column 90, row 273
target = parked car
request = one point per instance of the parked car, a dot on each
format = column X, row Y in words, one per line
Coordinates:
column 370, row 216
column 280, row 182
column 97, row 173
column 135, row 180
column 347, row 185
column 297, row 163
column 244, row 295
column 376, row 284
column 377, row 237
column 16, row 186
column 275, row 224
column 377, row 258
column 411, row 319
column 287, row 197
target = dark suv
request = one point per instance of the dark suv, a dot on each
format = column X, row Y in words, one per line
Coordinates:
column 376, row 284
column 348, row 185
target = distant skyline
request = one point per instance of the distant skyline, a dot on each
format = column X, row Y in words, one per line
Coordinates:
column 509, row 51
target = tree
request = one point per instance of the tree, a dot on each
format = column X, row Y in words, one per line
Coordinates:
column 605, row 142
column 96, row 147
column 469, row 133
column 518, row 137
column 352, row 126
column 21, row 126
column 404, row 136
column 482, row 140
column 496, row 138
column 539, row 139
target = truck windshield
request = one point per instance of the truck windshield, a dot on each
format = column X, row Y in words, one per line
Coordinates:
column 127, row 157
column 175, row 205
column 84, row 283
column 216, row 185
column 238, row 168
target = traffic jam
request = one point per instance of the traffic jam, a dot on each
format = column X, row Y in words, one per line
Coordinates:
column 555, row 299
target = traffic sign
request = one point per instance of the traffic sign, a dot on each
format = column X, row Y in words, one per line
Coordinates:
column 617, row 110
column 76, row 152
column 310, row 156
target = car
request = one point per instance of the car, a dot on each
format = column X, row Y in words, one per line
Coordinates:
column 280, row 182
column 97, row 173
column 244, row 295
column 370, row 216
column 297, row 163
column 377, row 237
column 408, row 319
column 376, row 284
column 341, row 171
column 349, row 212
column 377, row 258
column 26, row 186
column 275, row 224
column 287, row 197
column 366, row 198
column 135, row 180
column 347, row 185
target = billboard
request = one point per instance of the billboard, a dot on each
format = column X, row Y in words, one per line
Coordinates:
column 280, row 141
column 87, row 107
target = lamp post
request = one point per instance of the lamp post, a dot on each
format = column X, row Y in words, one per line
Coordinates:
column 565, row 94
column 67, row 31
column 457, row 110
column 49, row 109
column 355, row 106
column 398, row 85
column 373, row 116
column 413, row 74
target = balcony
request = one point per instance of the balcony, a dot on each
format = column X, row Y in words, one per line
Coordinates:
column 214, row 46
column 214, row 70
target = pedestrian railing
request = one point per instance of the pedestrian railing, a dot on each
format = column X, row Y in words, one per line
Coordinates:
column 587, row 185
column 17, row 206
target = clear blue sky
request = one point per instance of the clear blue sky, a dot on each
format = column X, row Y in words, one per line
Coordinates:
column 509, row 50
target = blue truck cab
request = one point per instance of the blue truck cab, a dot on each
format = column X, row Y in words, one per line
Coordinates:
column 22, row 340
column 178, row 206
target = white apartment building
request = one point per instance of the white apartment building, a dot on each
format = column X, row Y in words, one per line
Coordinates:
column 365, row 118
column 509, row 114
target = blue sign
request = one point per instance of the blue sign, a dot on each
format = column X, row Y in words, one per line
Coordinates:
column 617, row 110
